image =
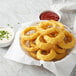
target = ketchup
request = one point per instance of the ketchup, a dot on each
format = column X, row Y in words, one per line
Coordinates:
column 49, row 15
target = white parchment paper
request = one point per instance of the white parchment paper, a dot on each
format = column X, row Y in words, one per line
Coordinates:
column 59, row 68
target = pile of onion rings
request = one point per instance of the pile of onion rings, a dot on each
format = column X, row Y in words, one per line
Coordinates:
column 48, row 40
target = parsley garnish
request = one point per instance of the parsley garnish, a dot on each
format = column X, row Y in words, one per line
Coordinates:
column 4, row 34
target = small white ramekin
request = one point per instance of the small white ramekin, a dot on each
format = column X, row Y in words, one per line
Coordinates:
column 8, row 42
column 57, row 12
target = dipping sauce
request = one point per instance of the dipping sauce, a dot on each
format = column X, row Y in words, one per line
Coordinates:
column 49, row 15
column 6, row 36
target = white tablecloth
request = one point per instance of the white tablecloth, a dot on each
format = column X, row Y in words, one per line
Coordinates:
column 13, row 12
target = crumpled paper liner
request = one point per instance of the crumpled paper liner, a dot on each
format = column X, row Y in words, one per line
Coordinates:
column 59, row 68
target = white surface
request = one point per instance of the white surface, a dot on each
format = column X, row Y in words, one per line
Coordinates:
column 14, row 11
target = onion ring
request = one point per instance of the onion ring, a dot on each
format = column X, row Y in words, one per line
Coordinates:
column 25, row 47
column 31, row 36
column 55, row 40
column 60, row 56
column 46, row 27
column 48, row 57
column 70, row 44
column 59, row 50
column 58, row 25
column 33, row 54
column 43, row 45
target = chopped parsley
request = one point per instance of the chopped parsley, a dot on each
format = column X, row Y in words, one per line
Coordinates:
column 11, row 27
column 4, row 34
column 18, row 23
column 8, row 24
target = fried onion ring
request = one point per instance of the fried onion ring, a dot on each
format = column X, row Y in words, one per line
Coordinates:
column 46, row 27
column 42, row 45
column 47, row 57
column 59, row 50
column 60, row 56
column 69, row 44
column 58, row 25
column 30, row 36
column 54, row 40
column 25, row 47
column 33, row 54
